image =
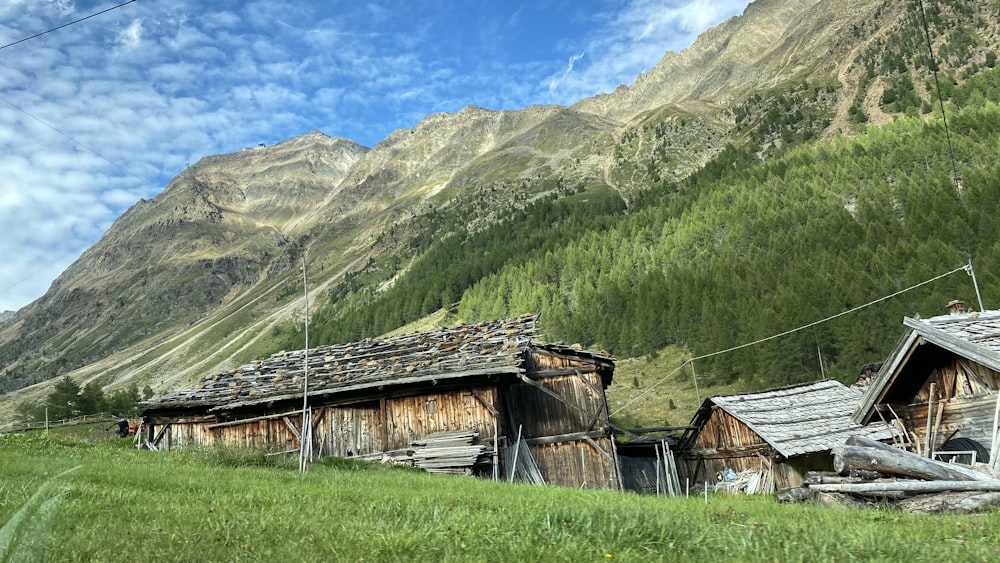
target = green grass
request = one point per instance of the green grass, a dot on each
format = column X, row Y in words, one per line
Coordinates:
column 67, row 500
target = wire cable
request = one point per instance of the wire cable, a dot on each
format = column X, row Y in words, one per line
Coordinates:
column 966, row 268
column 19, row 41
column 79, row 144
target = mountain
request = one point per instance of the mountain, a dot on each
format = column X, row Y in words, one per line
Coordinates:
column 207, row 274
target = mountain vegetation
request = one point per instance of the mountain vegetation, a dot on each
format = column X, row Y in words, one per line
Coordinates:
column 796, row 162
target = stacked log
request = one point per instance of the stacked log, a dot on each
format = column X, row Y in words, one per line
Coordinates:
column 868, row 472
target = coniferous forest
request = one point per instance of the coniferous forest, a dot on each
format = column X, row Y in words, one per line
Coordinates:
column 743, row 249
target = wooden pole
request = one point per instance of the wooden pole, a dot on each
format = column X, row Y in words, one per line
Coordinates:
column 937, row 427
column 927, row 432
column 496, row 450
column 908, row 486
column 517, row 449
column 657, row 450
column 305, row 380
column 996, row 427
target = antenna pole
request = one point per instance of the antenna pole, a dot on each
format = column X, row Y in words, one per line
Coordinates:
column 975, row 284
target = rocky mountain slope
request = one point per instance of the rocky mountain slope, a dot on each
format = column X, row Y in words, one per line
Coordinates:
column 200, row 275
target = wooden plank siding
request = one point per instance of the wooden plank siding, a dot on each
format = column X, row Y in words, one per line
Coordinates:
column 967, row 390
column 574, row 403
column 352, row 430
column 409, row 418
column 577, row 464
column 726, row 443
column 968, row 416
column 487, row 382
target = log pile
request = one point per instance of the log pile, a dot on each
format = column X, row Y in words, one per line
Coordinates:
column 868, row 472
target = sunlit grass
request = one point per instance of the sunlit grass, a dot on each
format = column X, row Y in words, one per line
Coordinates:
column 119, row 504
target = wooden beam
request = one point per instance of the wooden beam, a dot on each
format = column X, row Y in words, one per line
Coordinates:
column 254, row 419
column 548, row 391
column 560, row 372
column 597, row 415
column 596, row 391
column 736, row 451
column 600, row 449
column 562, row 438
column 384, row 422
column 908, row 486
column 294, row 430
column 159, row 434
column 488, row 406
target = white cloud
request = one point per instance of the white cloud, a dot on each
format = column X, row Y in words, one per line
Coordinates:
column 130, row 37
column 633, row 39
column 154, row 86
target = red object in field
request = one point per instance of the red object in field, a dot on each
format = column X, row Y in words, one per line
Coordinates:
column 133, row 426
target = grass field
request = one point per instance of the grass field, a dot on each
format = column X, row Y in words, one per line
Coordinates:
column 62, row 499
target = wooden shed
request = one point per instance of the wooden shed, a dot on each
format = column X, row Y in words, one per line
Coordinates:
column 483, row 398
column 940, row 383
column 773, row 436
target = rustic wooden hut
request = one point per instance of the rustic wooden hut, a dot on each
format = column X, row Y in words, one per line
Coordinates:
column 483, row 398
column 772, row 437
column 940, row 383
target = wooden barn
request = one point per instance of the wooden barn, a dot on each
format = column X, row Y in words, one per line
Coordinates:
column 940, row 383
column 484, row 398
column 770, row 439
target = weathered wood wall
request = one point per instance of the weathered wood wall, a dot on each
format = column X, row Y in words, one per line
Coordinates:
column 969, row 416
column 352, row 430
column 726, row 443
column 562, row 413
column 578, row 463
column 359, row 429
column 965, row 394
column 413, row 417
column 959, row 377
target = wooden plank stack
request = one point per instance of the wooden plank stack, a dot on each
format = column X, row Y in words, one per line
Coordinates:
column 449, row 452
column 867, row 472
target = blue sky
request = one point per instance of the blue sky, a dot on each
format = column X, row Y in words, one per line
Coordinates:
column 99, row 114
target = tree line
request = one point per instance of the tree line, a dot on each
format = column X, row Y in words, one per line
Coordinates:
column 68, row 400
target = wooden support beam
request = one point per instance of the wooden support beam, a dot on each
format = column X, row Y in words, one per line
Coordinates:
column 548, row 391
column 597, row 415
column 159, row 435
column 601, row 450
column 254, row 419
column 596, row 391
column 294, row 430
column 488, row 406
column 561, row 438
column 560, row 372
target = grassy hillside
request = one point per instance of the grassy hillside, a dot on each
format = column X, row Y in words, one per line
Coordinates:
column 744, row 250
column 64, row 500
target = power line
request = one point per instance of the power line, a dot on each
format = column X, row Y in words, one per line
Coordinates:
column 79, row 144
column 967, row 268
column 19, row 41
column 830, row 318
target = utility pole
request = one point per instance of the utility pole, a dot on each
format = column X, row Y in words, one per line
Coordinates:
column 305, row 434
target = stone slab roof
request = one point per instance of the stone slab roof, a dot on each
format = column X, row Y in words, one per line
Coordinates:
column 800, row 419
column 485, row 348
column 974, row 336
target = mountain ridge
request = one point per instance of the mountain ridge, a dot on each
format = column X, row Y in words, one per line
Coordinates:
column 208, row 269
